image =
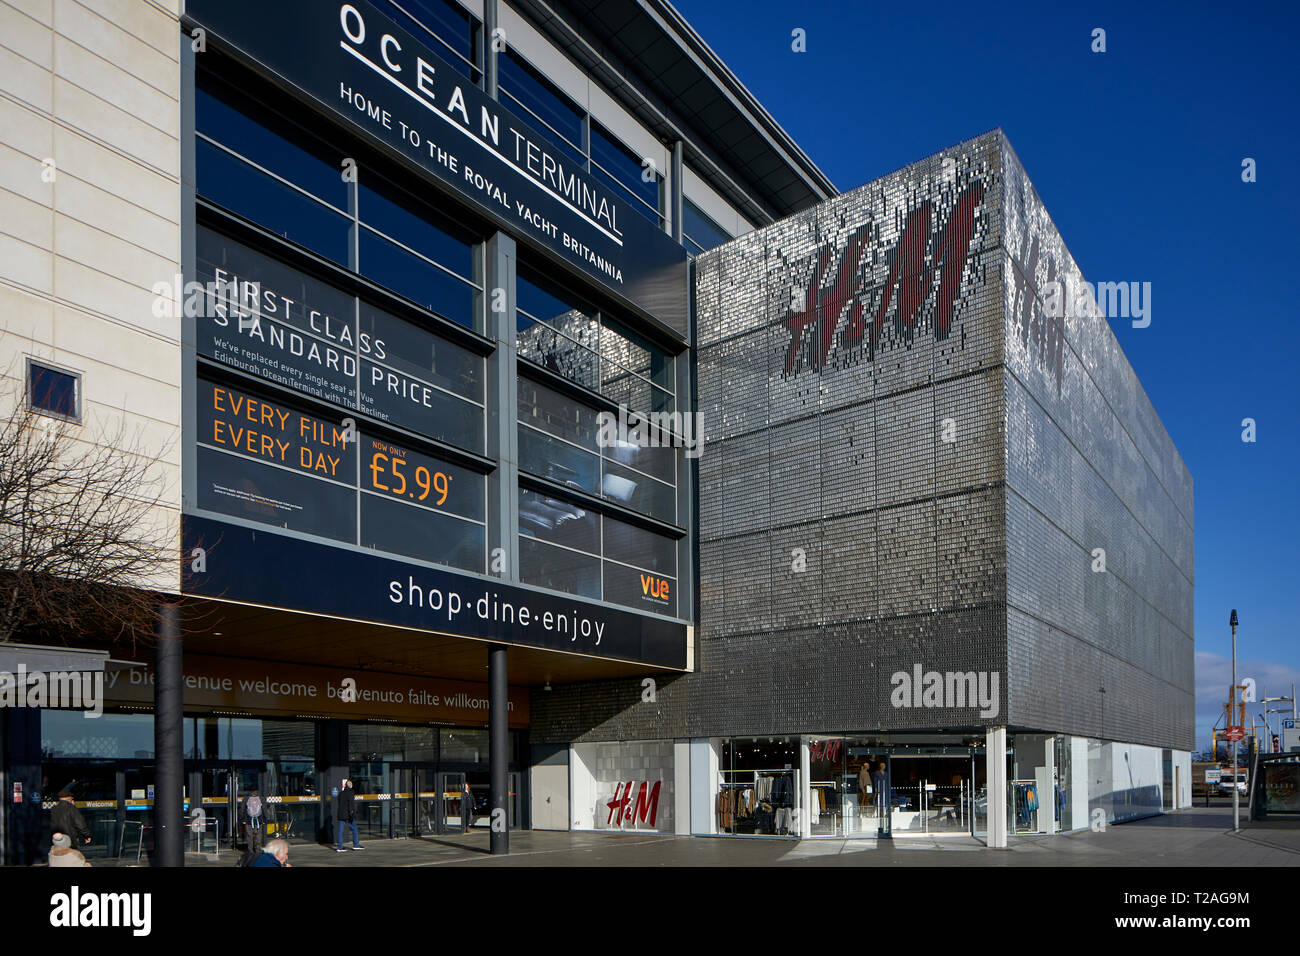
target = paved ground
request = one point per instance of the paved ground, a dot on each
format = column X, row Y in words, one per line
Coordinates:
column 1196, row 838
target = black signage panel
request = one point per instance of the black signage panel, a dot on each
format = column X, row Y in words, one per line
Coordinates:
column 644, row 589
column 268, row 462
column 268, row 319
column 393, row 396
column 353, row 584
column 273, row 496
column 398, row 92
column 412, row 477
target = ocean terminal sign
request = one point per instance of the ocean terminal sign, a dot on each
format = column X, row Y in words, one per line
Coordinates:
column 386, row 83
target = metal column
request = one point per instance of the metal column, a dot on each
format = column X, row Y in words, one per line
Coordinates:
column 489, row 48
column 169, row 793
column 498, row 749
column 995, row 756
column 675, row 185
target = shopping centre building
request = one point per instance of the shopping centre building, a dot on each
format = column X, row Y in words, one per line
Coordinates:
column 537, row 417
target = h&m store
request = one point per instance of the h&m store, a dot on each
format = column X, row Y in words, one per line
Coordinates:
column 427, row 250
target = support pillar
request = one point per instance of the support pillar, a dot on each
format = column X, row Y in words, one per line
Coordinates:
column 498, row 749
column 489, row 48
column 168, row 708
column 995, row 757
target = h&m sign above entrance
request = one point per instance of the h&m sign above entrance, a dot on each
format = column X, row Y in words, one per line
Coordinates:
column 394, row 90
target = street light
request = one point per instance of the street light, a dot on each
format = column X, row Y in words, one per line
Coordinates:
column 1232, row 700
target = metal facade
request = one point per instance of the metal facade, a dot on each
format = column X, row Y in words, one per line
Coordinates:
column 907, row 465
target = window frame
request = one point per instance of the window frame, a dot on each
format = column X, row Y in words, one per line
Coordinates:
column 78, row 398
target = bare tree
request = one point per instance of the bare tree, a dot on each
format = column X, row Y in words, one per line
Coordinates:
column 82, row 548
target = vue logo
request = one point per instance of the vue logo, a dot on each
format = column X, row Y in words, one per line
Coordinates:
column 654, row 587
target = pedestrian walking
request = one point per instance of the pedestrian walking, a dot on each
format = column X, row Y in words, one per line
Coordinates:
column 67, row 819
column 466, row 807
column 254, row 824
column 880, row 784
column 345, row 808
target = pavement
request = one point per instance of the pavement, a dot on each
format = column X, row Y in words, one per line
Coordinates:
column 1195, row 837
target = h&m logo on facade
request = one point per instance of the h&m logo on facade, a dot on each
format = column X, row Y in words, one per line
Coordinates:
column 646, row 807
column 924, row 261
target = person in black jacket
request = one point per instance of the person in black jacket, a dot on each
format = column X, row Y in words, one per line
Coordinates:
column 66, row 818
column 345, row 809
column 466, row 807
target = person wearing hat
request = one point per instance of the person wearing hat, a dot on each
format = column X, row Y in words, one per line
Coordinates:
column 67, row 819
column 63, row 854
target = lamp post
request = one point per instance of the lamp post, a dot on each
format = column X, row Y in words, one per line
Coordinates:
column 1232, row 701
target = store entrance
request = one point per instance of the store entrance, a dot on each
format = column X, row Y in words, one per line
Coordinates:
column 222, row 789
column 933, row 794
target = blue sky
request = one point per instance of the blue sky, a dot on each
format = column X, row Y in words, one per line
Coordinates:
column 1137, row 153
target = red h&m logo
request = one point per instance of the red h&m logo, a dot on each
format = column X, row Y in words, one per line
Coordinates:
column 825, row 750
column 646, row 807
column 908, row 271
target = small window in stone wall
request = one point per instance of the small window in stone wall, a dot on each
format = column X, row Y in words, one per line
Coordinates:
column 53, row 391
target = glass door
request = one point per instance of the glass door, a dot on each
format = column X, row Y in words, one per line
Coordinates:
column 414, row 810
column 426, row 800
column 451, row 805
column 244, row 779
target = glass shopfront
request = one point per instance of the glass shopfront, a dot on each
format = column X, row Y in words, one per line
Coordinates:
column 843, row 786
column 760, row 786
column 409, row 779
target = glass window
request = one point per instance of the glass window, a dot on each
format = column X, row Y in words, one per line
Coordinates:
column 634, row 490
column 462, row 745
column 658, row 462
column 233, row 184
column 53, row 391
column 407, row 347
column 636, row 393
column 563, row 463
column 542, row 98
column 445, row 19
column 559, row 569
column 396, row 213
column 626, row 169
column 636, row 354
column 559, row 521
column 393, row 526
column 758, row 786
column 422, row 282
column 388, row 742
column 540, row 301
column 252, row 131
column 702, row 231
column 69, row 733
column 624, row 786
column 640, row 548
column 548, row 410
column 558, row 353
